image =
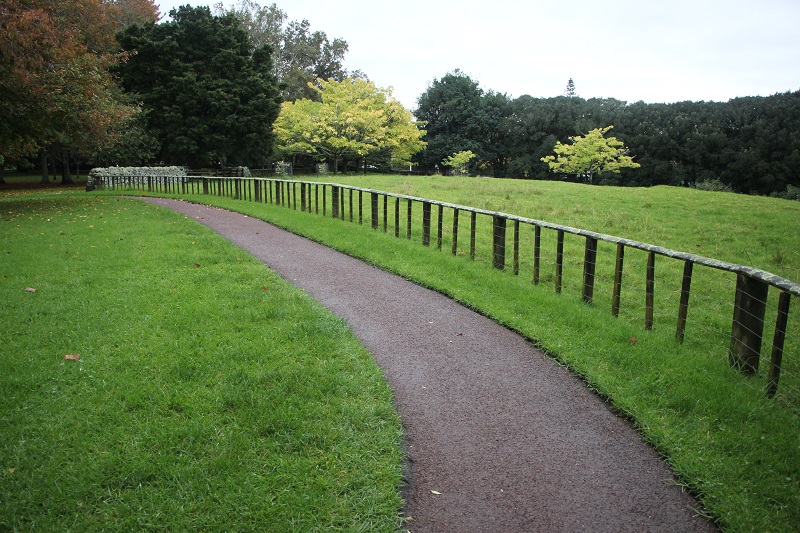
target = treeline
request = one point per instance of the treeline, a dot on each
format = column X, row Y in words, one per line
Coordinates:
column 748, row 144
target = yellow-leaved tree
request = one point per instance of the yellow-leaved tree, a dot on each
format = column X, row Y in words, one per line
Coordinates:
column 354, row 120
column 590, row 155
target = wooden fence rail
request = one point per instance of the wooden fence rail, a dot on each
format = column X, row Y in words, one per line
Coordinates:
column 752, row 285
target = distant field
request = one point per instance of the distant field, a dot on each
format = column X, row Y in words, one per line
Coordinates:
column 750, row 230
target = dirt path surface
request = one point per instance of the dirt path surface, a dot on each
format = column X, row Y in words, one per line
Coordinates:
column 499, row 438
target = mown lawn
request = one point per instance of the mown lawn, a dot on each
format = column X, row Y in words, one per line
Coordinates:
column 736, row 449
column 153, row 376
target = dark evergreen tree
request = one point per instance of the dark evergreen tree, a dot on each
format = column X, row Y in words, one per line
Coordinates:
column 210, row 98
column 569, row 90
column 450, row 109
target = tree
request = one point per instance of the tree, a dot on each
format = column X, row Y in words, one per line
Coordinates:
column 56, row 94
column 569, row 90
column 210, row 98
column 458, row 161
column 129, row 12
column 300, row 55
column 352, row 119
column 451, row 110
column 590, row 155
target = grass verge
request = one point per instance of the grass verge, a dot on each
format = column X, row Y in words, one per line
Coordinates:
column 739, row 451
column 208, row 394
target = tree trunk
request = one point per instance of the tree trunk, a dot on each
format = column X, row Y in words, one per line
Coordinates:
column 66, row 176
column 45, row 170
column 2, row 180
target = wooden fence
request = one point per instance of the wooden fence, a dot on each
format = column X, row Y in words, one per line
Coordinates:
column 751, row 290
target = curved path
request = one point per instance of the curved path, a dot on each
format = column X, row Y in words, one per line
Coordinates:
column 498, row 436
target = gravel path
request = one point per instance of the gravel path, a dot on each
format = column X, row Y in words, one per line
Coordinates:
column 499, row 437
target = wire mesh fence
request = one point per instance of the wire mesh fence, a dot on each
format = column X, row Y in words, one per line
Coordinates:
column 730, row 311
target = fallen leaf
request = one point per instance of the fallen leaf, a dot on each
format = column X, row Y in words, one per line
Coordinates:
column 72, row 356
column 436, row 492
column 633, row 340
column 30, row 289
column 197, row 264
column 264, row 289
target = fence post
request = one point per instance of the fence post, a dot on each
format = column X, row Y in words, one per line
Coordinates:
column 408, row 220
column 455, row 231
column 360, row 208
column 683, row 307
column 385, row 213
column 750, row 305
column 374, row 214
column 302, row 196
column 324, row 199
column 615, row 296
column 559, row 260
column 426, row 223
column 499, row 242
column 777, row 343
column 537, row 252
column 516, row 247
column 334, row 201
column 205, row 185
column 649, row 290
column 473, row 222
column 589, row 262
column 351, row 204
column 397, row 217
column 439, row 228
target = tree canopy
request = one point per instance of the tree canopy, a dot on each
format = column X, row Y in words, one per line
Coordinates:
column 353, row 119
column 452, row 111
column 751, row 144
column 55, row 86
column 300, row 56
column 590, row 155
column 210, row 98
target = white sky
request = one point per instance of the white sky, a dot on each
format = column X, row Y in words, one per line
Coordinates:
column 650, row 50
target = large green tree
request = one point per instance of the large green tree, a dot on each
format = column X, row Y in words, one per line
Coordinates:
column 459, row 116
column 301, row 56
column 351, row 119
column 210, row 97
column 450, row 108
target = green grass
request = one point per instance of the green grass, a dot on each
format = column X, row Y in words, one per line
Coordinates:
column 208, row 395
column 738, row 450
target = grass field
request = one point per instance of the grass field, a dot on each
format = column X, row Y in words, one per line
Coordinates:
column 207, row 393
column 737, row 450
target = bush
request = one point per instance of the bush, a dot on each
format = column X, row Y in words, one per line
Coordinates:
column 102, row 175
column 712, row 185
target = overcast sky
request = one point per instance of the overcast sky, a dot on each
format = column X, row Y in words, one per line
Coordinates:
column 651, row 50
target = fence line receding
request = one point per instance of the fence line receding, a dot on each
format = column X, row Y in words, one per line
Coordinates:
column 751, row 296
